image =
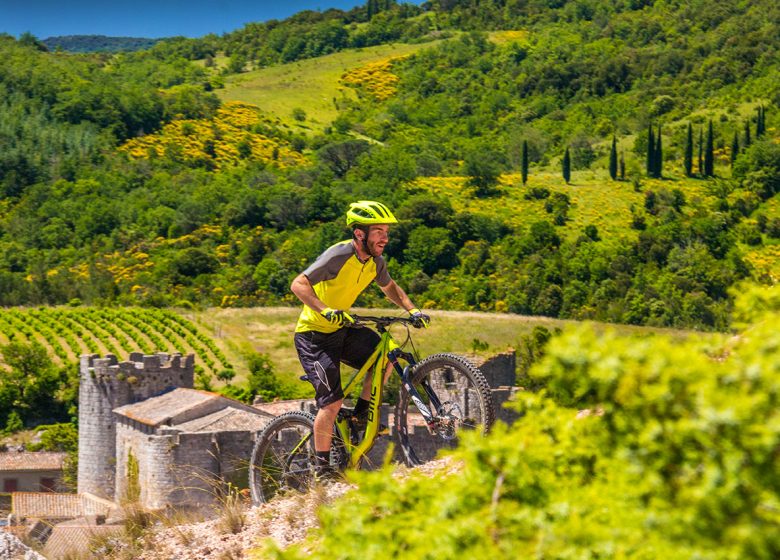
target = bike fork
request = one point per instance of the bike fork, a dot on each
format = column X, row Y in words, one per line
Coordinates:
column 430, row 419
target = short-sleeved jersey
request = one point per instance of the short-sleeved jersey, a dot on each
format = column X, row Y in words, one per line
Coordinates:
column 338, row 278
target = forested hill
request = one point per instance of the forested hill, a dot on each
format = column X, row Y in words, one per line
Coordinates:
column 97, row 43
column 125, row 179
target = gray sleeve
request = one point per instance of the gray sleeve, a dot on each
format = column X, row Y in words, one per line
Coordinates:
column 328, row 264
column 382, row 276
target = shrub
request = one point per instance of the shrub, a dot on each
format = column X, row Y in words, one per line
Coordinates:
column 637, row 448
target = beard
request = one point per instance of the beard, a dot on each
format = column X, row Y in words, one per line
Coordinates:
column 375, row 250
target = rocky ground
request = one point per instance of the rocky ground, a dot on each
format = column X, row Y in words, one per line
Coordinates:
column 285, row 520
column 12, row 548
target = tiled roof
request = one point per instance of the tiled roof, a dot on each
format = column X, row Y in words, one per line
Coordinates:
column 180, row 406
column 49, row 505
column 227, row 420
column 31, row 461
column 164, row 408
column 74, row 537
column 45, row 504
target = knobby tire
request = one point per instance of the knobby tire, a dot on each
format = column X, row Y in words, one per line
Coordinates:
column 280, row 464
column 467, row 401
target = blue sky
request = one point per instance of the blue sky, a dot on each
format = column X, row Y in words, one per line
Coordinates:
column 147, row 18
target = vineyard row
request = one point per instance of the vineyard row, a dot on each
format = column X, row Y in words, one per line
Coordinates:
column 69, row 332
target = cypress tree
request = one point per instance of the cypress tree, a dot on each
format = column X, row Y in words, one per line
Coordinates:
column 566, row 166
column 688, row 158
column 763, row 119
column 734, row 148
column 622, row 166
column 760, row 123
column 747, row 133
column 613, row 161
column 650, row 163
column 709, row 154
column 658, row 156
column 524, row 162
column 701, row 151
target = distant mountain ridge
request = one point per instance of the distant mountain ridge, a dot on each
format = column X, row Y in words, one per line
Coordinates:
column 98, row 43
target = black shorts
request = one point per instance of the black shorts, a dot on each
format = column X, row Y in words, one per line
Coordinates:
column 321, row 355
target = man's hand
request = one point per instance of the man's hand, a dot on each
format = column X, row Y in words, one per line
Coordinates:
column 419, row 319
column 337, row 317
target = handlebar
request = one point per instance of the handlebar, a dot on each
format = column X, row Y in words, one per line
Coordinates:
column 381, row 322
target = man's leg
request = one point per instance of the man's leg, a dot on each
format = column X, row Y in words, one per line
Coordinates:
column 323, row 425
column 358, row 347
column 320, row 357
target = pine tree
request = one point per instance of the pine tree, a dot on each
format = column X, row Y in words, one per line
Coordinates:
column 688, row 158
column 747, row 133
column 701, row 151
column 524, row 162
column 650, row 164
column 709, row 153
column 734, row 148
column 622, row 166
column 658, row 156
column 613, row 160
column 760, row 123
column 566, row 166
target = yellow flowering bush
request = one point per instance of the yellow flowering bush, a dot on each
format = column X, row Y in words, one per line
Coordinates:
column 375, row 78
column 225, row 140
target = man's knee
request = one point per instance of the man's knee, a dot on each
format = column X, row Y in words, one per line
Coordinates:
column 331, row 409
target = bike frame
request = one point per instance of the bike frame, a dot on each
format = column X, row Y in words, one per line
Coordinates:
column 386, row 351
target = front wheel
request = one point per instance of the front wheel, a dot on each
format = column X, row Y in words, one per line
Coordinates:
column 466, row 403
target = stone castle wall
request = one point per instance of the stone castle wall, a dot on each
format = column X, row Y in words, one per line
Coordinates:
column 105, row 384
column 183, row 470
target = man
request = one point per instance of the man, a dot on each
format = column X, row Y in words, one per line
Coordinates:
column 323, row 338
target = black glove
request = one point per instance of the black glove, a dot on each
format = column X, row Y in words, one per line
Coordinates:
column 337, row 317
column 419, row 319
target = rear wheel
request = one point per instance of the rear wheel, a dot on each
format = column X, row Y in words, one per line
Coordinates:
column 466, row 403
column 283, row 457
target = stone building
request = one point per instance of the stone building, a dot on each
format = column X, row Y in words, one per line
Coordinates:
column 23, row 471
column 145, row 431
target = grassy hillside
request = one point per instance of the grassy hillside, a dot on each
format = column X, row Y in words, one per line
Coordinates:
column 596, row 200
column 314, row 85
column 317, row 85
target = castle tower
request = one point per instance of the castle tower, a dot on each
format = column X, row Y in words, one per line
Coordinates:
column 105, row 384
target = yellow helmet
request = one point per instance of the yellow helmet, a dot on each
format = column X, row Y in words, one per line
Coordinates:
column 367, row 212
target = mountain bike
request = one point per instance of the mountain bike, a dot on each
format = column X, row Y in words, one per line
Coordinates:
column 439, row 397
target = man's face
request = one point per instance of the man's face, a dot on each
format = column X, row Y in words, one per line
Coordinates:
column 377, row 239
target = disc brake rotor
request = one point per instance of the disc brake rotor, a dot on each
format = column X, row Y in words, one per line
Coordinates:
column 448, row 421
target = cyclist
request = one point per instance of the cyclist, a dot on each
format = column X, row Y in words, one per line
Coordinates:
column 328, row 288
